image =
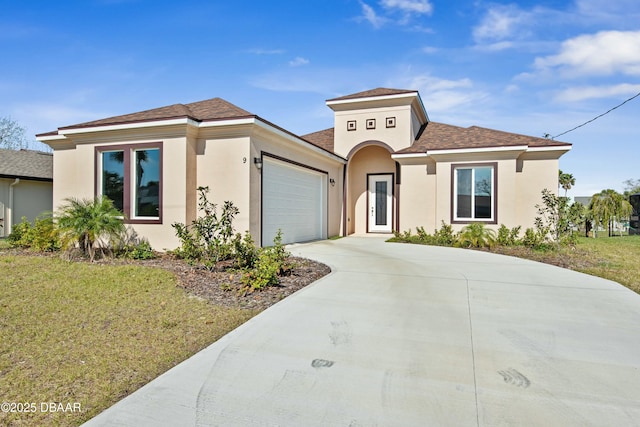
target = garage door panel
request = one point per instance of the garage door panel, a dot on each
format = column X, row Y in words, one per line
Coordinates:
column 294, row 201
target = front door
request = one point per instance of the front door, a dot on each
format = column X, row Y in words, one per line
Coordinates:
column 380, row 204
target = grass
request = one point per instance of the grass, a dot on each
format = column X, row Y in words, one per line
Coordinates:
column 614, row 258
column 79, row 333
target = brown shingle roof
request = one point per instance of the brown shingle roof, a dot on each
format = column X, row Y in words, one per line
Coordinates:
column 210, row 109
column 323, row 139
column 381, row 91
column 440, row 136
column 26, row 164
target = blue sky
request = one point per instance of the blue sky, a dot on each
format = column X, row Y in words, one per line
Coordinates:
column 531, row 67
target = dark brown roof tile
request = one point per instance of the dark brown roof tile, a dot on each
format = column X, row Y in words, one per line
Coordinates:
column 323, row 139
column 381, row 91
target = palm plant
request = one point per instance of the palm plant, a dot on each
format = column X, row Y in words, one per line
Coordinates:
column 566, row 181
column 86, row 222
column 476, row 235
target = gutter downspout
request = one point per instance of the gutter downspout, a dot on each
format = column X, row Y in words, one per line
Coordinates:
column 9, row 218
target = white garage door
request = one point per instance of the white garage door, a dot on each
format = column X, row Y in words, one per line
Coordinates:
column 294, row 200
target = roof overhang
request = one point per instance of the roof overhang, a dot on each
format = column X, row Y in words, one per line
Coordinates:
column 65, row 134
column 408, row 98
column 510, row 151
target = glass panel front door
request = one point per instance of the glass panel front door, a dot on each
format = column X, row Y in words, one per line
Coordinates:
column 380, row 204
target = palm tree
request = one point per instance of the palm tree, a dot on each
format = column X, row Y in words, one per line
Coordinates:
column 607, row 207
column 86, row 222
column 475, row 235
column 566, row 181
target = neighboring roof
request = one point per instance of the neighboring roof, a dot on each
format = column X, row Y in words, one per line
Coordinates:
column 381, row 91
column 323, row 139
column 210, row 109
column 26, row 164
column 440, row 136
column 584, row 200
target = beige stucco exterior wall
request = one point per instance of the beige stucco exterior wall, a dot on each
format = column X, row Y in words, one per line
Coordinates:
column 538, row 172
column 506, row 189
column 224, row 165
column 418, row 197
column 368, row 160
column 397, row 138
column 426, row 191
column 74, row 175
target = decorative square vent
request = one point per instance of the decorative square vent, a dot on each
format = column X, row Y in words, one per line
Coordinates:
column 351, row 125
column 371, row 123
column 391, row 122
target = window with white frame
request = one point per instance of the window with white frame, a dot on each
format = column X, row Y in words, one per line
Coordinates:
column 131, row 176
column 474, row 194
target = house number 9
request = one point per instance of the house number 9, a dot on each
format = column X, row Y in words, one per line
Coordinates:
column 244, row 160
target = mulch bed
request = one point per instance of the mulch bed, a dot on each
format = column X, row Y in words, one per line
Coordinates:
column 222, row 287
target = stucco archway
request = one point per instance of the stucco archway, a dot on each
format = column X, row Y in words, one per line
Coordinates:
column 369, row 158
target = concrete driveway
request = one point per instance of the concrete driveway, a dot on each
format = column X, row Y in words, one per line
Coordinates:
column 406, row 335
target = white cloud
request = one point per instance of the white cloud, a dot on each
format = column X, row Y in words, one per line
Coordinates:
column 421, row 7
column 500, row 23
column 583, row 93
column 258, row 51
column 392, row 8
column 603, row 53
column 443, row 95
column 430, row 49
column 298, row 61
column 371, row 16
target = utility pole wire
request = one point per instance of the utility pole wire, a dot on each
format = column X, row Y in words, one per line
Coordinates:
column 597, row 117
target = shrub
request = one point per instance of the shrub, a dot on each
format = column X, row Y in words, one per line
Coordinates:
column 139, row 250
column 445, row 235
column 532, row 238
column 271, row 263
column 476, row 235
column 19, row 234
column 90, row 224
column 209, row 237
column 42, row 236
column 508, row 237
column 245, row 251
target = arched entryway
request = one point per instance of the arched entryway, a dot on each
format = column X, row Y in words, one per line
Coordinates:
column 371, row 189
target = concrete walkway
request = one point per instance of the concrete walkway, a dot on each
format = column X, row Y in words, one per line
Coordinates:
column 406, row 335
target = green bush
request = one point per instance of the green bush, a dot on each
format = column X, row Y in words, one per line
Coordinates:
column 271, row 263
column 245, row 251
column 508, row 237
column 42, row 236
column 138, row 250
column 445, row 235
column 90, row 224
column 209, row 238
column 476, row 235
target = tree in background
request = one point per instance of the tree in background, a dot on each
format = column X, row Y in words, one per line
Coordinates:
column 631, row 186
column 608, row 206
column 12, row 135
column 566, row 181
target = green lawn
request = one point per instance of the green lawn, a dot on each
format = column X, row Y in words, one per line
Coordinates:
column 88, row 335
column 614, row 258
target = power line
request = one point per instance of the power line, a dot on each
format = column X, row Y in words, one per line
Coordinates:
column 597, row 117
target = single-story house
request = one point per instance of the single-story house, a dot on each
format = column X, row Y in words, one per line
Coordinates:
column 384, row 166
column 26, row 186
